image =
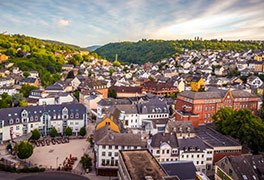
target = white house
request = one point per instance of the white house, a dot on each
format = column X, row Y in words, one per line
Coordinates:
column 18, row 121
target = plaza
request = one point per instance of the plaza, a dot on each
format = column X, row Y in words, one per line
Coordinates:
column 52, row 156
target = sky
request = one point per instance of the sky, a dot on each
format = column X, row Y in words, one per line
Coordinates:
column 98, row 22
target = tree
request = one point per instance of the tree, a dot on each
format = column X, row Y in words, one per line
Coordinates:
column 24, row 150
column 53, row 132
column 35, row 134
column 76, row 94
column 82, row 131
column 242, row 125
column 16, row 98
column 112, row 93
column 68, row 131
column 116, row 63
column 86, row 161
column 26, row 89
column 23, row 103
column 111, row 71
column 26, row 74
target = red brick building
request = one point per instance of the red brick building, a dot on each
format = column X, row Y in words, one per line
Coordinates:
column 158, row 88
column 200, row 106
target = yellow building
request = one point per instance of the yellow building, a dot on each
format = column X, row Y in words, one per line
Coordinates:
column 197, row 84
column 3, row 58
column 258, row 58
column 112, row 122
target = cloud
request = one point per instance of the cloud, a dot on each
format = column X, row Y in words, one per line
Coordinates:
column 63, row 22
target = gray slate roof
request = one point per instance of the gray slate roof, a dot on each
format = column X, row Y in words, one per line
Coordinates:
column 169, row 138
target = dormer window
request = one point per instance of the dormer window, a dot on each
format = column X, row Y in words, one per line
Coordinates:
column 31, row 118
column 36, row 118
column 11, row 121
column 71, row 116
column 77, row 115
column 17, row 120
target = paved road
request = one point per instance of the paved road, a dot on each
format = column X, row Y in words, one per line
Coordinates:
column 41, row 176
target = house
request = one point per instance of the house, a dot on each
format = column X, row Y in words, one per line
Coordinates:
column 164, row 147
column 197, row 84
column 55, row 88
column 220, row 71
column 18, row 121
column 9, row 90
column 107, row 146
column 34, row 74
column 30, row 81
column 111, row 121
column 140, row 164
column 254, row 82
column 183, row 129
column 8, row 81
column 127, row 91
column 159, row 88
column 3, row 58
column 56, row 98
column 90, row 99
column 240, row 167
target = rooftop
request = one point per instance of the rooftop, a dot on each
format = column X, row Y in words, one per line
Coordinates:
column 141, row 163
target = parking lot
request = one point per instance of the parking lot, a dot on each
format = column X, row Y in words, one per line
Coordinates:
column 53, row 156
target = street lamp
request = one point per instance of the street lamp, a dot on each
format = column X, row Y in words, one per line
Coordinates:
column 57, row 162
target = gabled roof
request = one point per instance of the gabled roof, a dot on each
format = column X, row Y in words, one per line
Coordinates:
column 159, row 138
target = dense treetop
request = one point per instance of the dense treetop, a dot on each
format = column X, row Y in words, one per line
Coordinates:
column 155, row 50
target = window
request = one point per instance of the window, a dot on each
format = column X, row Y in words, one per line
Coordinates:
column 11, row 121
column 17, row 127
column 31, row 125
column 103, row 146
column 36, row 118
column 109, row 153
column 77, row 115
column 116, row 154
column 116, row 147
column 103, row 153
column 197, row 162
column 158, row 151
column 168, row 151
column 197, row 155
column 110, row 147
column 17, row 120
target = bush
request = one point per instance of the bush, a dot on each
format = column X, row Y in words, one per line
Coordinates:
column 7, row 168
column 24, row 150
column 35, row 134
column 53, row 132
column 68, row 131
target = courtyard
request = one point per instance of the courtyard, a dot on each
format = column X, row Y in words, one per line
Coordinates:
column 53, row 156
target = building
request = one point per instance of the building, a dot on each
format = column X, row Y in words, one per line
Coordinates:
column 159, row 88
column 107, row 146
column 165, row 147
column 30, row 81
column 194, row 149
column 18, row 121
column 183, row 129
column 200, row 106
column 221, row 144
column 197, row 84
column 139, row 164
column 240, row 167
column 127, row 91
column 3, row 58
column 181, row 169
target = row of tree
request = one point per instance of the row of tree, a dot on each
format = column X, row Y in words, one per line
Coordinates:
column 53, row 132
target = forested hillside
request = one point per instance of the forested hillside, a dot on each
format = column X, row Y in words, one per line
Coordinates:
column 44, row 56
column 155, row 50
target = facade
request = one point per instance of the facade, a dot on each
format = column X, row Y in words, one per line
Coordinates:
column 197, row 84
column 158, row 88
column 165, row 147
column 15, row 122
column 107, row 146
column 200, row 106
column 127, row 91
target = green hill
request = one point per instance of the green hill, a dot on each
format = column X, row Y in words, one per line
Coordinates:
column 30, row 53
column 155, row 50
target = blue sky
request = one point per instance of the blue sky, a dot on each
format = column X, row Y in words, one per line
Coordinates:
column 85, row 22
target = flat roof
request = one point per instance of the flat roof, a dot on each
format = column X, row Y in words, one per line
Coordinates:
column 214, row 138
column 141, row 163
